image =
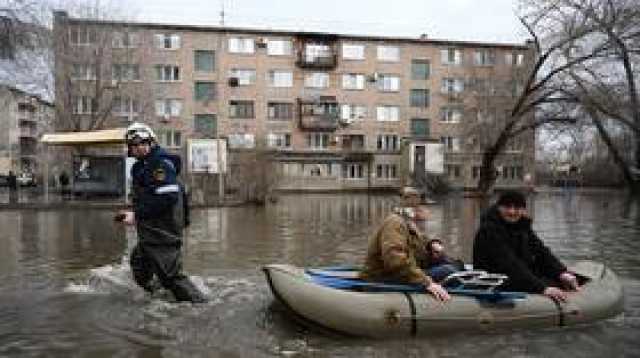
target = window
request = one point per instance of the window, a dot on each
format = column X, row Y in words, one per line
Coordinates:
column 167, row 73
column 245, row 77
column 205, row 125
column 204, row 60
column 420, row 127
column 453, row 170
column 241, row 140
column 420, row 69
column 279, row 140
column 451, row 56
column 389, row 83
column 205, row 91
column 388, row 53
column 170, row 138
column 353, row 112
column 280, row 111
column 280, row 78
column 475, row 174
column 388, row 113
column 125, row 40
column 451, row 144
column 241, row 109
column 353, row 81
column 313, row 52
column 279, row 47
column 388, row 143
column 452, row 85
column 168, row 107
column 513, row 59
column 352, row 171
column 316, row 80
column 126, row 108
column 419, row 98
column 166, row 41
column 81, row 36
column 451, row 115
column 83, row 71
column 352, row 51
column 125, row 72
column 386, row 171
column 483, row 58
column 241, row 45
column 84, row 105
column 317, row 140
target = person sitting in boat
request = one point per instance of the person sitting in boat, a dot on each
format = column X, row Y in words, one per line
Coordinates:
column 397, row 250
column 506, row 243
column 438, row 264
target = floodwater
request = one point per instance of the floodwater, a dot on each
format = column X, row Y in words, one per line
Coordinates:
column 56, row 302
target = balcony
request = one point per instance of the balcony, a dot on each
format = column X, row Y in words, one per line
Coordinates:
column 320, row 115
column 316, row 52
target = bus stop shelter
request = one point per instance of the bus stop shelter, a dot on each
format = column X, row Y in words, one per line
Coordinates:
column 83, row 139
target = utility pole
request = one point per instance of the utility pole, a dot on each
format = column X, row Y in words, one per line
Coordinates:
column 222, row 13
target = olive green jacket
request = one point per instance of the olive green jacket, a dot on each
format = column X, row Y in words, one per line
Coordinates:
column 396, row 253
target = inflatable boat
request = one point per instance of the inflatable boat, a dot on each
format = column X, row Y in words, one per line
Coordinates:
column 336, row 299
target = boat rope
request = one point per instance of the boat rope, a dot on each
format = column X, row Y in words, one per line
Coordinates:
column 414, row 320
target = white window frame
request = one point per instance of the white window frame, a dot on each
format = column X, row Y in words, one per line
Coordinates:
column 174, row 73
column 452, row 85
column 386, row 171
column 317, row 80
column 510, row 56
column 160, row 41
column 279, row 140
column 126, row 108
column 353, row 81
column 82, row 33
column 387, row 142
column 451, row 115
column 118, row 39
column 280, row 78
column 451, row 143
column 279, row 47
column 83, row 72
column 241, row 45
column 387, row 113
column 353, row 52
column 170, row 137
column 84, row 105
column 354, row 171
column 388, row 83
column 168, row 107
column 245, row 76
column 313, row 51
column 318, row 140
column 447, row 59
column 387, row 53
column 353, row 112
column 241, row 140
column 484, row 57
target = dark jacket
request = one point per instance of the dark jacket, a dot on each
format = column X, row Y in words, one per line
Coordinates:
column 158, row 197
column 515, row 250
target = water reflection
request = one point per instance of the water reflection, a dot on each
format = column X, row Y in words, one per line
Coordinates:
column 225, row 247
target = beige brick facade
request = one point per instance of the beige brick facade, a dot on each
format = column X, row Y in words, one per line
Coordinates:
column 312, row 151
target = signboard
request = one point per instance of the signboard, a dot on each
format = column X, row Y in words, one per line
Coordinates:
column 435, row 158
column 207, row 156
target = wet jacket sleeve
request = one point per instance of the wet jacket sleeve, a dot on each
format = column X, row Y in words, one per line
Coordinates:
column 398, row 258
column 549, row 264
column 158, row 198
column 492, row 254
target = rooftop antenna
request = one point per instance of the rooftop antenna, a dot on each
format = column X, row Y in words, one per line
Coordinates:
column 222, row 13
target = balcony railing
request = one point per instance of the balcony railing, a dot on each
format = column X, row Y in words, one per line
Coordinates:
column 316, row 61
column 318, row 115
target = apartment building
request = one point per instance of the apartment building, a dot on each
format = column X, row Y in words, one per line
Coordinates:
column 23, row 118
column 333, row 111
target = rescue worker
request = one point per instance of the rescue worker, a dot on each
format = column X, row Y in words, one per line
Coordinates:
column 397, row 251
column 159, row 216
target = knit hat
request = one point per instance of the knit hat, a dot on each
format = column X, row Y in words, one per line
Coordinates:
column 512, row 198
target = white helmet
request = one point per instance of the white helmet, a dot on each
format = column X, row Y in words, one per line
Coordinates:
column 139, row 132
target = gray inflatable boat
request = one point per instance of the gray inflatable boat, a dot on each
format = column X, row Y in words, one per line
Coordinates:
column 335, row 299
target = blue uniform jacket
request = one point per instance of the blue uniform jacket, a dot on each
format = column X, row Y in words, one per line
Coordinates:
column 155, row 186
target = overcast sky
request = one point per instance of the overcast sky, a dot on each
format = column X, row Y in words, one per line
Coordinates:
column 475, row 20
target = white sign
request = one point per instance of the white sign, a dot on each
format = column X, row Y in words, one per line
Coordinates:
column 435, row 158
column 207, row 155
